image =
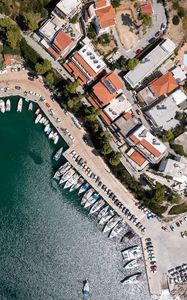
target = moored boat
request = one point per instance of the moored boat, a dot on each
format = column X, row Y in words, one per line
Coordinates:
column 2, row 106
column 133, row 278
column 131, row 264
column 131, row 253
column 58, row 154
column 67, row 175
column 86, row 289
column 77, row 184
column 8, row 105
column 91, row 200
column 70, row 181
column 62, row 170
column 116, row 230
column 20, row 105
column 84, row 188
column 102, row 212
column 37, row 111
column 46, row 128
column 107, row 217
column 51, row 134
column 100, row 203
column 87, row 195
column 38, row 118
column 30, row 106
column 56, row 139
column 41, row 120
column 111, row 223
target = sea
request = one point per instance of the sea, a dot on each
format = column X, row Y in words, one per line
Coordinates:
column 49, row 244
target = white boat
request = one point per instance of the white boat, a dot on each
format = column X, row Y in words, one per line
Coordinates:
column 67, row 175
column 46, row 122
column 97, row 206
column 86, row 289
column 30, row 106
column 103, row 212
column 84, row 188
column 51, row 135
column 116, row 230
column 131, row 253
column 131, row 264
column 132, row 279
column 56, row 139
column 37, row 111
column 107, row 217
column 38, row 118
column 62, row 170
column 58, row 154
column 71, row 181
column 8, row 105
column 91, row 200
column 46, row 128
column 20, row 104
column 41, row 120
column 111, row 223
column 2, row 106
column 77, row 184
column 87, row 195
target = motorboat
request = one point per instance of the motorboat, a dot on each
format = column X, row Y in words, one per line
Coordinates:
column 58, row 154
column 106, row 217
column 20, row 105
column 116, row 230
column 62, row 170
column 86, row 289
column 87, row 195
column 71, row 180
column 56, row 139
column 2, row 106
column 51, row 134
column 30, row 106
column 46, row 128
column 77, row 184
column 131, row 264
column 102, row 212
column 111, row 223
column 84, row 188
column 46, row 122
column 131, row 253
column 67, row 175
column 100, row 203
column 37, row 111
column 41, row 120
column 91, row 200
column 8, row 105
column 133, row 278
column 38, row 118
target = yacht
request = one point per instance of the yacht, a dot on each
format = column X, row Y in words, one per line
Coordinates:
column 71, row 180
column 56, row 139
column 87, row 195
column 38, row 118
column 131, row 253
column 86, row 289
column 8, row 105
column 106, row 217
column 2, row 106
column 91, row 200
column 37, row 111
column 116, row 230
column 97, row 206
column 30, row 106
column 134, row 278
column 84, row 188
column 111, row 223
column 62, row 170
column 46, row 128
column 20, row 104
column 67, row 175
column 77, row 184
column 58, row 154
column 102, row 212
column 131, row 264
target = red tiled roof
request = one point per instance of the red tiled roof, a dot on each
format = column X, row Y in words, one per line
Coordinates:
column 100, row 3
column 134, row 139
column 106, row 16
column 150, row 148
column 53, row 52
column 164, row 84
column 146, row 9
column 71, row 67
column 7, row 58
column 62, row 40
column 137, row 158
column 127, row 116
column 82, row 62
column 101, row 113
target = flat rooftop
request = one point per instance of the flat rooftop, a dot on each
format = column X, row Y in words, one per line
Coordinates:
column 50, row 28
column 125, row 126
column 67, row 6
column 92, row 58
column 117, row 107
column 176, row 169
column 150, row 62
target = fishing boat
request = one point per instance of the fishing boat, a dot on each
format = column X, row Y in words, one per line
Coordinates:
column 100, row 203
column 84, row 188
column 62, row 170
column 111, row 223
column 56, row 139
column 131, row 253
column 87, row 195
column 116, row 230
column 131, row 264
column 20, row 104
column 30, row 106
column 37, row 111
column 91, row 200
column 102, row 212
column 8, row 105
column 67, row 175
column 107, row 217
column 86, row 289
column 77, row 184
column 51, row 135
column 46, row 128
column 134, row 278
column 2, row 106
column 71, row 180
column 38, row 118
column 58, row 154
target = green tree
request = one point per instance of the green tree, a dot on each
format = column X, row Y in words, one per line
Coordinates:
column 91, row 114
column 178, row 149
column 115, row 3
column 91, row 33
column 104, row 39
column 13, row 37
column 175, row 20
column 106, row 148
column 131, row 64
column 175, row 199
column 175, row 4
column 146, row 19
column 181, row 12
column 114, row 160
column 28, row 53
column 169, row 136
column 179, row 115
column 72, row 87
column 42, row 68
column 49, row 78
column 159, row 195
column 74, row 19
column 31, row 23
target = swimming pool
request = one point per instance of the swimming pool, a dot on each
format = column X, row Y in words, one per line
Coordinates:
column 185, row 59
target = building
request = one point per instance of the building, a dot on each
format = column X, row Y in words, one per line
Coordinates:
column 85, row 65
column 137, row 160
column 13, row 62
column 150, row 63
column 179, row 74
column 104, row 16
column 117, row 107
column 146, row 9
column 67, row 8
column 179, row 97
column 162, row 115
column 147, row 144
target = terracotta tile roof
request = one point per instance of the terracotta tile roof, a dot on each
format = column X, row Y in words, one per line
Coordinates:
column 103, row 95
column 53, row 52
column 134, row 139
column 115, row 80
column 84, row 64
column 127, row 116
column 76, row 72
column 150, row 148
column 7, row 58
column 164, row 84
column 146, row 9
column 106, row 16
column 100, row 3
column 137, row 158
column 62, row 41
column 101, row 113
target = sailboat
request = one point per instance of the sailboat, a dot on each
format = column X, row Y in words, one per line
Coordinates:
column 67, row 175
column 84, row 188
column 87, row 196
column 77, row 184
column 91, row 200
column 58, row 154
column 97, row 206
column 71, row 180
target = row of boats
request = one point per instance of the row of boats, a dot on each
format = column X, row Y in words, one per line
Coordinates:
column 5, row 106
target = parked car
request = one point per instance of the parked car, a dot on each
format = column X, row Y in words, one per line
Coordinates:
column 31, row 78
column 163, row 26
column 157, row 34
column 138, row 112
column 138, row 51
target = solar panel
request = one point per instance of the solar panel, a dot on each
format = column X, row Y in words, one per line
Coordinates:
column 109, row 86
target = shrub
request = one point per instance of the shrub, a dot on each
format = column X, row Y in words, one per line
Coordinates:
column 181, row 12
column 178, row 209
column 176, row 20
column 178, row 149
column 115, row 3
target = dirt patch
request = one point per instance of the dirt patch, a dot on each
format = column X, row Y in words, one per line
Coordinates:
column 106, row 49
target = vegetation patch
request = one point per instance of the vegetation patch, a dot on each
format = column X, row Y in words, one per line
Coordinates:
column 178, row 209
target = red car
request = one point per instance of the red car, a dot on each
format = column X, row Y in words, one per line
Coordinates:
column 31, row 78
column 138, row 51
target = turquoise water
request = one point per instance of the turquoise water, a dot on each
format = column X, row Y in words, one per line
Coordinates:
column 48, row 243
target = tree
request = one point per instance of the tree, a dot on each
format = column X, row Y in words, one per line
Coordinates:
column 115, row 3
column 28, row 53
column 159, row 195
column 146, row 19
column 72, row 87
column 74, row 19
column 175, row 4
column 179, row 115
column 91, row 114
column 131, row 64
column 175, row 20
column 106, row 148
column 104, row 39
column 114, row 160
column 169, row 136
column 181, row 12
column 49, row 78
column 91, row 33
column 31, row 23
column 178, row 149
column 11, row 32
column 175, row 199
column 42, row 68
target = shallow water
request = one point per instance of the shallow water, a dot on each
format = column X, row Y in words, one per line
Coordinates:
column 48, row 243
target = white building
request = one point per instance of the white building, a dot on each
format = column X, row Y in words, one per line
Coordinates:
column 117, row 106
column 150, row 63
column 67, row 8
